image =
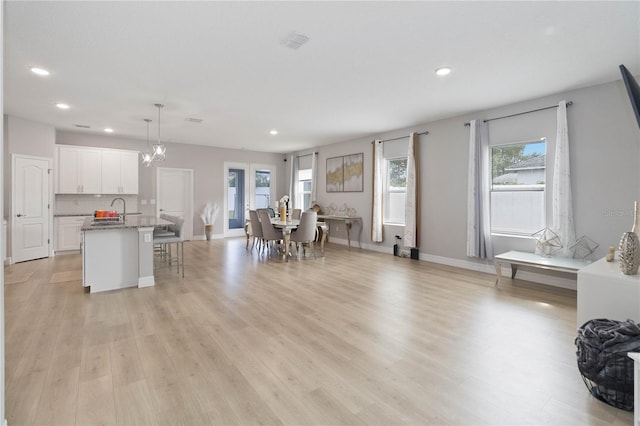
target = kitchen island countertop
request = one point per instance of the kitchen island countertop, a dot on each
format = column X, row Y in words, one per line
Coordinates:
column 129, row 222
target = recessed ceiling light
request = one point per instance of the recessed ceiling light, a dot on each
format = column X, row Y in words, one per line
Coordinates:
column 39, row 71
column 442, row 71
column 62, row 106
column 108, row 130
column 274, row 132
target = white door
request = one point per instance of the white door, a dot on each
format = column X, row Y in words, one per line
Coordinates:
column 30, row 208
column 175, row 195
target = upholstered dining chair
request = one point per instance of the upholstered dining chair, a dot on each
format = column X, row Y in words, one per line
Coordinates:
column 295, row 214
column 270, row 234
column 256, row 229
column 305, row 234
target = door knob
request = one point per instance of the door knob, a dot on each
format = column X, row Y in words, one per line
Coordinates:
column 20, row 215
column 161, row 210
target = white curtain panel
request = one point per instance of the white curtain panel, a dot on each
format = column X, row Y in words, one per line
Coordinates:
column 478, row 196
column 563, row 224
column 314, row 177
column 378, row 181
column 293, row 186
column 410, row 206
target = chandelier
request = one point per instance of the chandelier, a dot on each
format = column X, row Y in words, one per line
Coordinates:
column 159, row 150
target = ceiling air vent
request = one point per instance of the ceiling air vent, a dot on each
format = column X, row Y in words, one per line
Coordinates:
column 193, row 120
column 295, row 40
column 83, row 126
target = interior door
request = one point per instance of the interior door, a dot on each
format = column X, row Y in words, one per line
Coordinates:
column 236, row 202
column 175, row 195
column 30, row 208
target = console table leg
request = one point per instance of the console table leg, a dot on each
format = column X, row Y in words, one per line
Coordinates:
column 348, row 224
column 498, row 273
column 514, row 269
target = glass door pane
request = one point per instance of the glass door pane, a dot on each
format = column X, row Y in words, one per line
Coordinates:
column 235, row 200
column 262, row 198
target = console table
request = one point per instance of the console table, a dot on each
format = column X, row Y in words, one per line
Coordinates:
column 348, row 221
column 516, row 258
column 605, row 292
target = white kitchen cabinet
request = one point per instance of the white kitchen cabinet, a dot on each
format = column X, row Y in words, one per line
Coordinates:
column 78, row 170
column 85, row 170
column 68, row 233
column 119, row 172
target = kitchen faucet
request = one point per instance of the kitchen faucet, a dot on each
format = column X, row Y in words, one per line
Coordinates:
column 124, row 206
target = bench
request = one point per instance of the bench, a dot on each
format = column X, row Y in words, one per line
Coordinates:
column 515, row 258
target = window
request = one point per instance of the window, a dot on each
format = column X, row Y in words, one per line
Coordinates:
column 518, row 175
column 395, row 190
column 304, row 189
column 263, row 189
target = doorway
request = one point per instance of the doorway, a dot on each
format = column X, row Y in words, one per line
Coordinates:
column 235, row 198
column 30, row 212
column 175, row 196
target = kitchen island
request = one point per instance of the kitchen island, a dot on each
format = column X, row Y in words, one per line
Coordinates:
column 118, row 254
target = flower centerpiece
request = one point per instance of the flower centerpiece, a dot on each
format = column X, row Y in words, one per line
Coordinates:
column 284, row 207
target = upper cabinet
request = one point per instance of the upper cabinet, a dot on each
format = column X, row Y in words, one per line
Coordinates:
column 119, row 172
column 78, row 170
column 82, row 170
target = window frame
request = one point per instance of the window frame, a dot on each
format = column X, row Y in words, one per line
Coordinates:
column 519, row 188
column 387, row 191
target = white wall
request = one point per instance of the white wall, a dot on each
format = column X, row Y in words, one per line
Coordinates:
column 605, row 153
column 206, row 162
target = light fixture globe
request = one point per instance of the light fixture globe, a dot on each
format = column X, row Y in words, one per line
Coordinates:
column 159, row 149
column 147, row 157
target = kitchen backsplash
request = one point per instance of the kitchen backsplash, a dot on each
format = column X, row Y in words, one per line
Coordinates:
column 73, row 204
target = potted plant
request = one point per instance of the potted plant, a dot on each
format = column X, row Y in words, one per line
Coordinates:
column 209, row 215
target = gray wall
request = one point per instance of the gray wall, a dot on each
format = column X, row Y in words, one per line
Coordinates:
column 26, row 137
column 605, row 154
column 206, row 162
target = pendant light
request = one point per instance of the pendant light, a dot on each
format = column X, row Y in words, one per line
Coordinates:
column 159, row 149
column 147, row 156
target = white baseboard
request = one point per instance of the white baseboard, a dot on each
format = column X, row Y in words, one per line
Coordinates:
column 488, row 268
column 8, row 261
column 204, row 238
column 147, row 281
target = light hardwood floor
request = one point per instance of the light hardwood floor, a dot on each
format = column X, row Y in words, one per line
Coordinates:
column 356, row 337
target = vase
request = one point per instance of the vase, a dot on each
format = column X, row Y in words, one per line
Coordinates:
column 208, row 231
column 283, row 213
column 629, row 250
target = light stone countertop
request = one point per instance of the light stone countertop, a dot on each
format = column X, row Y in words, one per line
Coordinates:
column 136, row 221
column 84, row 214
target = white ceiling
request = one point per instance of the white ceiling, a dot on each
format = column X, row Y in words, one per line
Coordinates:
column 367, row 69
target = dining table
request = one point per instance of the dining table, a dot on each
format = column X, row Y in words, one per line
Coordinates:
column 287, row 226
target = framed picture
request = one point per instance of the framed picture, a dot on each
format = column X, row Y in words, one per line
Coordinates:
column 335, row 174
column 345, row 174
column 353, row 179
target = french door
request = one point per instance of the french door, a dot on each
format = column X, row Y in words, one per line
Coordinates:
column 247, row 186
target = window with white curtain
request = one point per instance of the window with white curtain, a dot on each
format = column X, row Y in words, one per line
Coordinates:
column 518, row 186
column 304, row 189
column 395, row 190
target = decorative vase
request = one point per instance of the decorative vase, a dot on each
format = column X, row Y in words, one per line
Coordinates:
column 283, row 213
column 208, row 231
column 629, row 251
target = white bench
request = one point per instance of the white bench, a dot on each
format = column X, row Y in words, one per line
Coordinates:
column 516, row 258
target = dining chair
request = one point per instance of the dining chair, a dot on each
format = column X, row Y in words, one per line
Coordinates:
column 256, row 229
column 305, row 234
column 270, row 234
column 295, row 214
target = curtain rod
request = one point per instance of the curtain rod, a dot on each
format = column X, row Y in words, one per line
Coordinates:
column 520, row 113
column 306, row 155
column 402, row 137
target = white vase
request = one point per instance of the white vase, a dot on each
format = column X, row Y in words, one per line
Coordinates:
column 629, row 250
